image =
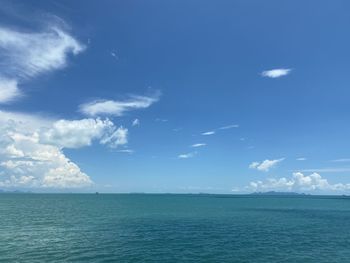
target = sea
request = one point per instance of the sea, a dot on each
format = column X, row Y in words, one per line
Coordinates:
column 174, row 228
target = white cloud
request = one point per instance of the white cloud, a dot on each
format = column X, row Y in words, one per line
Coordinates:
column 31, row 149
column 136, row 122
column 79, row 133
column 118, row 137
column 343, row 160
column 254, row 165
column 275, row 73
column 8, row 90
column 265, row 165
column 196, row 145
column 24, row 55
column 114, row 54
column 29, row 54
column 301, row 159
column 328, row 170
column 118, row 108
column 298, row 182
column 37, row 165
column 126, row 151
column 186, row 155
column 161, row 120
column 208, row 133
column 229, row 127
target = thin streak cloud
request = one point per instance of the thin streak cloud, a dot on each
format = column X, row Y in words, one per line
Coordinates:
column 196, row 145
column 186, row 155
column 118, row 107
column 208, row 133
column 328, row 170
column 344, row 160
column 229, row 127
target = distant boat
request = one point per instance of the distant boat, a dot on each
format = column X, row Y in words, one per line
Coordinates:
column 96, row 193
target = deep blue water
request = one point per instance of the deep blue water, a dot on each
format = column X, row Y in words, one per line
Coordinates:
column 173, row 228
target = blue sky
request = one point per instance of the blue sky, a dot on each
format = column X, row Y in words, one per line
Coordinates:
column 175, row 96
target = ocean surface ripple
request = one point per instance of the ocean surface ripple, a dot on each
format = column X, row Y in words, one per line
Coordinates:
column 173, row 228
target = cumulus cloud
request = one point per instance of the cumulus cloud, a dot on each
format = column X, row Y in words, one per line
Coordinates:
column 298, row 182
column 24, row 55
column 266, row 165
column 186, row 155
column 196, row 145
column 275, row 73
column 79, row 133
column 25, row 162
column 118, row 107
column 31, row 149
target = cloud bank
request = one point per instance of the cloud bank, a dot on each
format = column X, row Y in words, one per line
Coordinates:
column 298, row 182
column 31, row 149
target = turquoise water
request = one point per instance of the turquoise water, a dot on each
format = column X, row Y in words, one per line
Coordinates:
column 173, row 228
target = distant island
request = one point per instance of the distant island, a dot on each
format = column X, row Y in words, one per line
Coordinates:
column 276, row 193
column 14, row 192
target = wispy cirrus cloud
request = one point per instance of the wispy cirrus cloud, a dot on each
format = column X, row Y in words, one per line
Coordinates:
column 24, row 55
column 212, row 132
column 266, row 165
column 135, row 122
column 129, row 151
column 187, row 155
column 196, row 145
column 342, row 160
column 276, row 73
column 115, row 137
column 208, row 133
column 328, row 170
column 8, row 90
column 118, row 107
column 229, row 127
column 161, row 120
column 301, row 159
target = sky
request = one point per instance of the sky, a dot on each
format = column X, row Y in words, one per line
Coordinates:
column 175, row 96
